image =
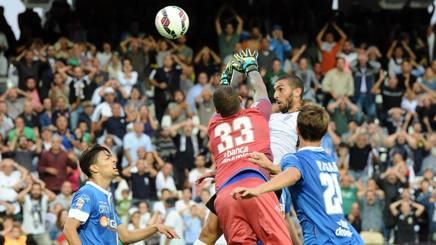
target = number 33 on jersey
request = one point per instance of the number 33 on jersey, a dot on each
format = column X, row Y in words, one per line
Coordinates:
column 233, row 137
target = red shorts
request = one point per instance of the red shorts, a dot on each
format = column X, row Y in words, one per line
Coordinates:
column 245, row 221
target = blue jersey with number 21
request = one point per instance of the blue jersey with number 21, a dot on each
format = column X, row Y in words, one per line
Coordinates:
column 317, row 198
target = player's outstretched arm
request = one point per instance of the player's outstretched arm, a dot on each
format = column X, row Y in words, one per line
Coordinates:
column 286, row 178
column 127, row 236
column 248, row 60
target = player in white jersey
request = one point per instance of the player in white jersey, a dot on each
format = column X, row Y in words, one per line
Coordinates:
column 283, row 137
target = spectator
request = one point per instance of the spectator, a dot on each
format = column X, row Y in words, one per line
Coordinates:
column 173, row 220
column 16, row 236
column 196, row 90
column 127, row 78
column 227, row 39
column 61, row 109
column 14, row 103
column 179, row 110
column 329, row 48
column 371, row 206
column 354, row 217
column 135, row 50
column 337, row 82
column 52, row 166
column 204, row 106
column 184, row 52
column 114, row 124
column 24, row 151
column 6, row 123
column 64, row 197
column 142, row 180
column 12, row 176
column 133, row 141
column 364, row 80
column 278, row 44
column 134, row 223
column 349, row 194
column 106, row 54
column 396, row 56
column 184, row 204
column 30, row 117
column 266, row 56
column 271, row 78
column 164, row 180
column 199, row 170
column 429, row 202
column 193, row 221
column 342, row 111
column 159, row 206
column 35, row 199
column 207, row 61
column 165, row 80
column 406, row 213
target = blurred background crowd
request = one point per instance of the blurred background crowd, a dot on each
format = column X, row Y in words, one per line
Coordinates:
column 76, row 77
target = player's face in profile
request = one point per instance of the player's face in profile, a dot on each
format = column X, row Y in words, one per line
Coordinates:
column 283, row 95
column 107, row 165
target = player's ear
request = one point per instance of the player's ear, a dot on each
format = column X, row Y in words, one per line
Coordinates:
column 297, row 92
column 93, row 168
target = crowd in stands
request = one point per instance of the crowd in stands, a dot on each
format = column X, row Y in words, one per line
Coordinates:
column 149, row 100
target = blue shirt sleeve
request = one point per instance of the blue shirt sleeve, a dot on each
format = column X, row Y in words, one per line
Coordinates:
column 81, row 205
column 291, row 160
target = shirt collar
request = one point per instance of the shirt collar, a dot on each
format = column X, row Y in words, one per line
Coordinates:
column 311, row 148
column 91, row 183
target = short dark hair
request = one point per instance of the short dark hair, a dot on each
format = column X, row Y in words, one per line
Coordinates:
column 293, row 81
column 312, row 122
column 226, row 101
column 89, row 157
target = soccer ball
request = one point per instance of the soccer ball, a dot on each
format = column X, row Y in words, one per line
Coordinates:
column 172, row 22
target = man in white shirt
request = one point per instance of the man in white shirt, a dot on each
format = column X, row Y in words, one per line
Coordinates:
column 133, row 141
column 173, row 220
column 183, row 205
column 12, row 176
column 194, row 174
column 165, row 180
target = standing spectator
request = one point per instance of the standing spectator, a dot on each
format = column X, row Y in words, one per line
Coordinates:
column 24, row 151
column 329, row 48
column 196, row 90
column 106, row 54
column 199, row 170
column 133, row 141
column 308, row 77
column 142, row 180
column 360, row 154
column 406, row 213
column 396, row 56
column 14, row 103
column 164, row 180
column 64, row 197
column 278, row 44
column 103, row 110
column 127, row 78
column 337, row 82
column 204, row 106
column 271, row 77
column 53, row 164
column 266, row 56
column 207, row 61
column 29, row 66
column 137, row 53
column 173, row 220
column 371, row 208
column 184, row 52
column 6, row 123
column 349, row 54
column 115, row 124
column 227, row 39
column 364, row 80
column 179, row 110
column 165, row 80
column 12, row 176
column 35, row 199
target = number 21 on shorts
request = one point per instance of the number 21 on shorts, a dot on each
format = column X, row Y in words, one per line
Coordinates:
column 224, row 131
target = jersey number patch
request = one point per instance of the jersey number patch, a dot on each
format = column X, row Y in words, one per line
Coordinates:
column 224, row 131
column 332, row 194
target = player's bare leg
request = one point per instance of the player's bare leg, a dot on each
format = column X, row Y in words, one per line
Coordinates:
column 210, row 232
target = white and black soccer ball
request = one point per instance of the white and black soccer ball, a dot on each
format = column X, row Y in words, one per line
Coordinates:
column 172, row 22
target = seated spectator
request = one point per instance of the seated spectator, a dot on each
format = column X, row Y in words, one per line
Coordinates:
column 184, row 204
column 196, row 90
column 61, row 109
column 272, row 76
column 371, row 209
column 16, row 236
column 32, row 93
column 349, row 193
column 159, row 206
column 135, row 223
column 179, row 110
column 127, row 78
column 354, row 217
column 150, row 123
column 30, row 117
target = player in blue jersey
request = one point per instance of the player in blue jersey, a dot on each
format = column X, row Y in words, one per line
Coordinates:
column 312, row 178
column 92, row 218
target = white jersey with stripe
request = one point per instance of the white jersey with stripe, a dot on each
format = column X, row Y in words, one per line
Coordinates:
column 283, row 134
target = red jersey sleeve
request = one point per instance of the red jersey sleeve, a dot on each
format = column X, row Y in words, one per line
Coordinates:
column 264, row 107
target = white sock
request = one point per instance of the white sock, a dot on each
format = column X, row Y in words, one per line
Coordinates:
column 198, row 242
